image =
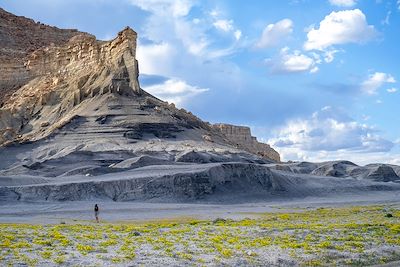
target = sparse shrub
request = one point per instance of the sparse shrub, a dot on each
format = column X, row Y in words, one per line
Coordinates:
column 219, row 220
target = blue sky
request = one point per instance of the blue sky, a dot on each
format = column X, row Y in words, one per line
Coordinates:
column 317, row 79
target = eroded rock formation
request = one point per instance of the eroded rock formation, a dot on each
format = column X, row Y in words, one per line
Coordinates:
column 19, row 37
column 242, row 138
column 64, row 77
column 67, row 80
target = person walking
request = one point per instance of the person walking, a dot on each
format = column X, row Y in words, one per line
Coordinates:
column 96, row 212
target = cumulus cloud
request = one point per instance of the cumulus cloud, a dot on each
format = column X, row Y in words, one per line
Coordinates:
column 328, row 130
column 228, row 27
column 273, row 34
column 178, row 39
column 171, row 22
column 174, row 90
column 392, row 90
column 375, row 81
column 224, row 25
column 342, row 27
column 343, row 3
column 288, row 62
column 154, row 58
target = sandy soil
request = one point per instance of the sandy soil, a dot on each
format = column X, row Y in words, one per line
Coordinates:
column 78, row 211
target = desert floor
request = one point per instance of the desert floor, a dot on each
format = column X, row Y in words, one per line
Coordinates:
column 354, row 231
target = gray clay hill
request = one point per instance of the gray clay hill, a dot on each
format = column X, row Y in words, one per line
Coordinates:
column 75, row 125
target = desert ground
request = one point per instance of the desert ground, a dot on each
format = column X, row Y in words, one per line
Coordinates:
column 348, row 230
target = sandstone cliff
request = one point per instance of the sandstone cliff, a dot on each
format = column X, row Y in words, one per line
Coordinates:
column 19, row 37
column 52, row 77
column 242, row 138
column 64, row 76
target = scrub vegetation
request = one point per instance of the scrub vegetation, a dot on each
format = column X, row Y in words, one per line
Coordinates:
column 353, row 236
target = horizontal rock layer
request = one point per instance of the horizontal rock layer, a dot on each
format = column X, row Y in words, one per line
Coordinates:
column 344, row 169
column 19, row 37
column 234, row 182
column 242, row 138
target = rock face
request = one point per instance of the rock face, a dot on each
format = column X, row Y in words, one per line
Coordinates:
column 65, row 76
column 242, row 138
column 19, row 37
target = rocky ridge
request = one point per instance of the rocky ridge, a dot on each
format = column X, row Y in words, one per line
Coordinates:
column 343, row 169
column 241, row 137
column 19, row 37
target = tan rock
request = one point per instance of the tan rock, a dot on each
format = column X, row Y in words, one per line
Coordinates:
column 68, row 74
column 70, row 78
column 207, row 138
column 241, row 137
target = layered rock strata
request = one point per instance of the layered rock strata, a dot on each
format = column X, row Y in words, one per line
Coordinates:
column 19, row 37
column 233, row 182
column 69, row 80
column 242, row 138
column 65, row 76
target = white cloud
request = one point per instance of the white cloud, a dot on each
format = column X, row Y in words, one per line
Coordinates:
column 327, row 134
column 348, row 26
column 174, row 43
column 375, row 81
column 273, row 34
column 227, row 26
column 214, row 13
column 154, row 58
column 178, row 8
column 169, row 22
column 174, row 91
column 392, row 90
column 343, row 3
column 292, row 62
column 238, row 34
column 224, row 25
column 330, row 55
column 386, row 21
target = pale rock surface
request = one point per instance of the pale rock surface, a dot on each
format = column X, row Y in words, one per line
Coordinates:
column 19, row 37
column 242, row 138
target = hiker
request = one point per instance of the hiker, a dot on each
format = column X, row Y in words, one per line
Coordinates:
column 96, row 212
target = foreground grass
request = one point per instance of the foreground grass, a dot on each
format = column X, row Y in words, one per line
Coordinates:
column 355, row 236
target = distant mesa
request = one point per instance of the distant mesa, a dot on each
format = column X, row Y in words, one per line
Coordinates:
column 242, row 138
